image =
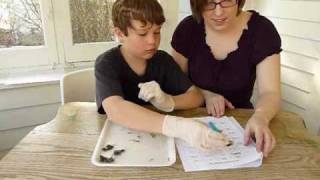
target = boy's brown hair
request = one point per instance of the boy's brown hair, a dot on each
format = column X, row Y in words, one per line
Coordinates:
column 197, row 7
column 146, row 11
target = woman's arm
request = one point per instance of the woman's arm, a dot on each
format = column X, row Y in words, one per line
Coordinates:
column 269, row 93
column 215, row 103
column 267, row 106
column 181, row 60
column 193, row 95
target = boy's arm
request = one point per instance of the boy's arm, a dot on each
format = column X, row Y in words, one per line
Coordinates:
column 152, row 92
column 139, row 118
column 132, row 115
column 192, row 98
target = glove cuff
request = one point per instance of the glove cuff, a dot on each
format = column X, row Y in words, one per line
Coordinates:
column 172, row 104
column 169, row 126
column 166, row 104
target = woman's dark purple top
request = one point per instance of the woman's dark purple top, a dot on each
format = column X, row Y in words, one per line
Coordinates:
column 234, row 76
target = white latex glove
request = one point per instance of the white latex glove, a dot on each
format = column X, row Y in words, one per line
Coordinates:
column 195, row 133
column 151, row 91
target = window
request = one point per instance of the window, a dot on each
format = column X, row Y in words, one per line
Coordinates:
column 41, row 33
column 91, row 21
column 90, row 28
column 23, row 26
column 20, row 23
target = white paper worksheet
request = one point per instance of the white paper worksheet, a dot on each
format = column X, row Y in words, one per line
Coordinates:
column 235, row 156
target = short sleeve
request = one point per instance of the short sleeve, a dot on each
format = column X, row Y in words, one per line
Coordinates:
column 107, row 81
column 181, row 37
column 175, row 80
column 266, row 40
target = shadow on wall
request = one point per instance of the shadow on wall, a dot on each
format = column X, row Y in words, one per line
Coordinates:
column 317, row 91
column 3, row 153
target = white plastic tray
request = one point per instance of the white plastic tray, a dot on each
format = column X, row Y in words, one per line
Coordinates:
column 141, row 149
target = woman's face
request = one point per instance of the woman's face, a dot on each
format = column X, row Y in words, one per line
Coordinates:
column 220, row 18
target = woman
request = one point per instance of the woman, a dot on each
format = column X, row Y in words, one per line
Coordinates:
column 224, row 50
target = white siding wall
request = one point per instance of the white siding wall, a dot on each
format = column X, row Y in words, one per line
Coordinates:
column 298, row 23
column 23, row 108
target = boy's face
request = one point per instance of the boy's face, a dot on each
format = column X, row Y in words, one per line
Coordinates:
column 142, row 41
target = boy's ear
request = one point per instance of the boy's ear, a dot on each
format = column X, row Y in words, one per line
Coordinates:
column 120, row 35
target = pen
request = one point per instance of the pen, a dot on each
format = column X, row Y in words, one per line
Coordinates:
column 214, row 127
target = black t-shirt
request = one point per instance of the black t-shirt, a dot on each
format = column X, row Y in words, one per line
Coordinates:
column 234, row 76
column 114, row 77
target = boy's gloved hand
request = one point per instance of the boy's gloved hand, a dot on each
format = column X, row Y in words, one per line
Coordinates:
column 193, row 132
column 151, row 91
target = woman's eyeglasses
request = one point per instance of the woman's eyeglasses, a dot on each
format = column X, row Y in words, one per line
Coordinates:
column 224, row 4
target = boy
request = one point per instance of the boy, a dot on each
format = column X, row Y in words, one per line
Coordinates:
column 136, row 72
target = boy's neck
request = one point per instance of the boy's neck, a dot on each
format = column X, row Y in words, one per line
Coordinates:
column 136, row 64
column 131, row 58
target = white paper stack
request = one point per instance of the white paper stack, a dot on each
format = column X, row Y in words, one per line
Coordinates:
column 235, row 156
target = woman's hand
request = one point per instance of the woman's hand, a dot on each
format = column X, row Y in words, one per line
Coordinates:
column 215, row 104
column 258, row 127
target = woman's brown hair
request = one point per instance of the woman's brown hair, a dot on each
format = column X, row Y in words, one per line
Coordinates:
column 197, row 7
column 123, row 11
